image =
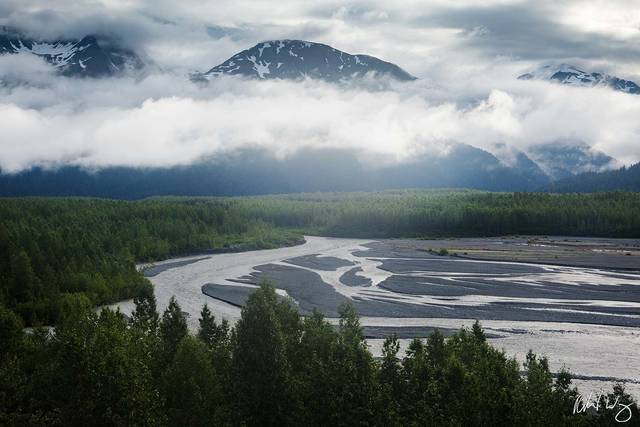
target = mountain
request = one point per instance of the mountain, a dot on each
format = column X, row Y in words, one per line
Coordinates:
column 90, row 56
column 626, row 178
column 564, row 166
column 297, row 59
column 570, row 75
column 566, row 158
column 260, row 172
column 464, row 166
column 521, row 162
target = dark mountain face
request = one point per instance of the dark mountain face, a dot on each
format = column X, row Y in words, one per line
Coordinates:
column 463, row 166
column 259, row 172
column 563, row 159
column 253, row 172
column 88, row 57
column 626, row 178
column 518, row 161
column 572, row 76
column 296, row 59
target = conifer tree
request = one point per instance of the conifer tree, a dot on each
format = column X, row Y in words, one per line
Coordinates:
column 145, row 315
column 173, row 328
column 261, row 370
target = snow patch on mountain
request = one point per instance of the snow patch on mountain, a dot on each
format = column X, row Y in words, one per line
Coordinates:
column 573, row 76
column 89, row 56
column 296, row 59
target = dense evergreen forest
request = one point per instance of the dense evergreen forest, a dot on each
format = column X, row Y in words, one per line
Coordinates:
column 273, row 368
column 52, row 249
column 59, row 258
column 442, row 213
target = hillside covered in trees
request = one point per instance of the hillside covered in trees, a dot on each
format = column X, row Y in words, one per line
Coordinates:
column 274, row 368
column 626, row 178
column 257, row 172
column 53, row 249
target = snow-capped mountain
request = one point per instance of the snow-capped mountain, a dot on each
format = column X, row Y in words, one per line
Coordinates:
column 570, row 75
column 90, row 56
column 296, row 59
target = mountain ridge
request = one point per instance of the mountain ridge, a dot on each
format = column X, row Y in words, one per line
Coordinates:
column 623, row 179
column 572, row 76
column 90, row 56
column 252, row 172
column 299, row 59
column 565, row 158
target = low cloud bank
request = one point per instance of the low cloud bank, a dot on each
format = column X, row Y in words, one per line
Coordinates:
column 165, row 120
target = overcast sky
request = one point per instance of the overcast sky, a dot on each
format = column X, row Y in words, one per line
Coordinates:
column 465, row 53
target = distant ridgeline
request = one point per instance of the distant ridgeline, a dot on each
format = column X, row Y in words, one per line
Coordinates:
column 572, row 76
column 253, row 172
column 90, row 56
column 626, row 178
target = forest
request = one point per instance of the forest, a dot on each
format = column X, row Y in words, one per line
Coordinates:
column 60, row 258
column 52, row 249
column 273, row 368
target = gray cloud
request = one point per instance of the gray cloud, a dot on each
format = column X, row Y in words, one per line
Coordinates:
column 466, row 56
column 530, row 31
column 189, row 33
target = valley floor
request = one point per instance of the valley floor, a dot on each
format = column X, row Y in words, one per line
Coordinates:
column 575, row 300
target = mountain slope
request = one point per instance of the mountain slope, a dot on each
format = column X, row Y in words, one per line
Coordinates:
column 519, row 161
column 260, row 172
column 572, row 76
column 626, row 178
column 297, row 59
column 566, row 158
column 89, row 56
column 464, row 166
